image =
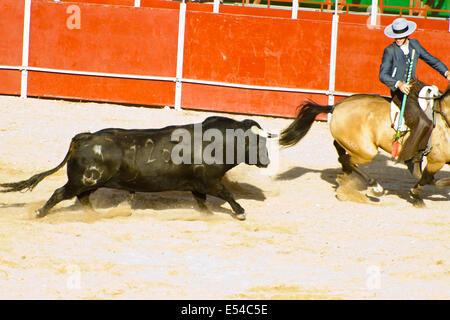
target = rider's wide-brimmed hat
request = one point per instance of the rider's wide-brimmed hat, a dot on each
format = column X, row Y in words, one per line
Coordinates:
column 400, row 28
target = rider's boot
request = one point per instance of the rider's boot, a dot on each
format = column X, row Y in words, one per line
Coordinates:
column 417, row 144
column 415, row 166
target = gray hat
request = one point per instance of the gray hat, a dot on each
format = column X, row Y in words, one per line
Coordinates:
column 400, row 28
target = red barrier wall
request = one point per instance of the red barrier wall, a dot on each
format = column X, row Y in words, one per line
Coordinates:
column 237, row 100
column 11, row 34
column 41, row 84
column 240, row 45
column 105, row 2
column 111, row 39
column 256, row 55
column 359, row 54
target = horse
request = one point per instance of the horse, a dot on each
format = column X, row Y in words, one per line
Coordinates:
column 361, row 125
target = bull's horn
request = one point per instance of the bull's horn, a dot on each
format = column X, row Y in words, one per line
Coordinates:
column 263, row 133
column 259, row 132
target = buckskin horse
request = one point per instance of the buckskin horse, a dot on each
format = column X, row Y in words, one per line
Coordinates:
column 360, row 124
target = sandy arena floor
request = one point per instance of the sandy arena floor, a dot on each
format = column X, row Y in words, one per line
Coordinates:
column 298, row 242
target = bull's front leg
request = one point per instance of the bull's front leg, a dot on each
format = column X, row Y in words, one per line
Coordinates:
column 219, row 190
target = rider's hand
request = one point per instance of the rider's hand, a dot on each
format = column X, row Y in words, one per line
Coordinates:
column 447, row 75
column 404, row 87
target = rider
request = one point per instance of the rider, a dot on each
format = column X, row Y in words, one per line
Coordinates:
column 393, row 73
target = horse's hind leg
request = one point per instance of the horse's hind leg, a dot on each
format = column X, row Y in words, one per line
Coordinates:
column 344, row 158
column 348, row 167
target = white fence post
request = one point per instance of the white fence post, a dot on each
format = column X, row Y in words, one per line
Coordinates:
column 374, row 13
column 180, row 53
column 334, row 33
column 216, row 6
column 137, row 3
column 294, row 9
column 25, row 49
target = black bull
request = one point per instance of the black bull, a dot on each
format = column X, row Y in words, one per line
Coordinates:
column 174, row 158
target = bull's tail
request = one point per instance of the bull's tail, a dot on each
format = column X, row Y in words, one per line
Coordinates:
column 302, row 123
column 31, row 183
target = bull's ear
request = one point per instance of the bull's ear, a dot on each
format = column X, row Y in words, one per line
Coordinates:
column 247, row 123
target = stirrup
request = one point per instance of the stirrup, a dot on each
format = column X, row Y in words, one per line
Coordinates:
column 425, row 152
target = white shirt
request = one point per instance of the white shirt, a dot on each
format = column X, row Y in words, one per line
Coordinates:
column 405, row 49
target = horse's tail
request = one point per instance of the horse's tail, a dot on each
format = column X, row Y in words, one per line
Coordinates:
column 31, row 183
column 302, row 123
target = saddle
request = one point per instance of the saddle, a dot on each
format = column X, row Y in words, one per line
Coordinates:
column 426, row 102
column 420, row 133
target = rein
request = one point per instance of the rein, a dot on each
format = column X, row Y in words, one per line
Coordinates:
column 435, row 110
column 439, row 111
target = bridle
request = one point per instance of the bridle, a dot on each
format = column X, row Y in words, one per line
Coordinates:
column 440, row 112
column 437, row 108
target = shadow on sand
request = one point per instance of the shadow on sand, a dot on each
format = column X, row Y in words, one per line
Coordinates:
column 122, row 202
column 396, row 180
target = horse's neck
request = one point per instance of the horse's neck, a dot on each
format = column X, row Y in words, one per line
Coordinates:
column 443, row 116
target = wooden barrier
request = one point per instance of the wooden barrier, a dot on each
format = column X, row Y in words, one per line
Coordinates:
column 255, row 55
column 243, row 59
column 119, row 40
column 11, row 30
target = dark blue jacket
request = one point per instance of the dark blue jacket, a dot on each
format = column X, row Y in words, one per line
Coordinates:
column 394, row 65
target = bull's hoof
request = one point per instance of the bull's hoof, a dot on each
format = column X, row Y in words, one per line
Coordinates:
column 39, row 214
column 240, row 216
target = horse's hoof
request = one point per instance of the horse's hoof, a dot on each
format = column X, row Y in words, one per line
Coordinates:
column 419, row 203
column 240, row 216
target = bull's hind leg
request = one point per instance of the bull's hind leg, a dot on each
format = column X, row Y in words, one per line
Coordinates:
column 84, row 200
column 348, row 167
column 64, row 193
